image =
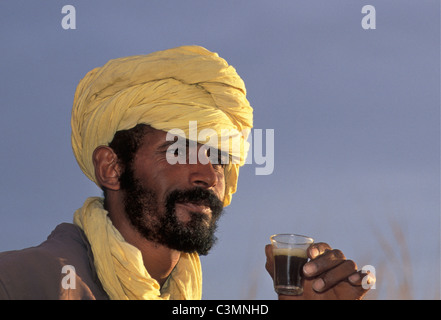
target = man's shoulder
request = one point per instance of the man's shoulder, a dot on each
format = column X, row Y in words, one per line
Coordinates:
column 59, row 268
column 64, row 241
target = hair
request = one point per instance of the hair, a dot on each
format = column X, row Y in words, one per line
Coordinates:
column 126, row 144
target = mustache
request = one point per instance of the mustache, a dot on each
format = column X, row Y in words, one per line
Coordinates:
column 196, row 195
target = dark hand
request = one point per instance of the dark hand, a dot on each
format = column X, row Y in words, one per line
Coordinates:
column 328, row 275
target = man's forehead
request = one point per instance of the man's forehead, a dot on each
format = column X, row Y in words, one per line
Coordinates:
column 158, row 138
column 154, row 136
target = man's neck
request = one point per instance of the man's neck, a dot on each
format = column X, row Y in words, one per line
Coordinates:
column 159, row 260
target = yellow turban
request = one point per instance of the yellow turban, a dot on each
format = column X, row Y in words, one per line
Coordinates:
column 166, row 90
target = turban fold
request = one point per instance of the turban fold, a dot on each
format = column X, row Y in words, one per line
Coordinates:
column 166, row 90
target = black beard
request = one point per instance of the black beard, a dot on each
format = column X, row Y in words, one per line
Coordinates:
column 161, row 225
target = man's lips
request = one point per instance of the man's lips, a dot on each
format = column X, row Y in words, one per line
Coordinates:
column 184, row 210
column 195, row 207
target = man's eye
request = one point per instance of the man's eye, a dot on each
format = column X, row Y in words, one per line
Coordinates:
column 222, row 160
column 177, row 152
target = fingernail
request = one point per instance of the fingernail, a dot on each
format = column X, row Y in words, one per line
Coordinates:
column 314, row 253
column 318, row 284
column 354, row 278
column 309, row 268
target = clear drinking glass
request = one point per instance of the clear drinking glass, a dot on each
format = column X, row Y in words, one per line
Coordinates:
column 290, row 256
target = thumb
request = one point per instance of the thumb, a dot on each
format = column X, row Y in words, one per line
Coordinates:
column 269, row 266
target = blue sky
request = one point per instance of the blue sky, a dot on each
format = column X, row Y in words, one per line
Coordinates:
column 355, row 115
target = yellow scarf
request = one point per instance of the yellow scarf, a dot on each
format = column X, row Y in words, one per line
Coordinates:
column 120, row 267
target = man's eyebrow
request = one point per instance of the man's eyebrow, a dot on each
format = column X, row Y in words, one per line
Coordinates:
column 165, row 145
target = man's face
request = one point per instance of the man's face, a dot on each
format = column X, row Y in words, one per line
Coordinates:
column 176, row 205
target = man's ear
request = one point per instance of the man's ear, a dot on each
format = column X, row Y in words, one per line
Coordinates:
column 107, row 168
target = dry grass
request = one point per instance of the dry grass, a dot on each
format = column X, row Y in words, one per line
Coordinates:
column 395, row 267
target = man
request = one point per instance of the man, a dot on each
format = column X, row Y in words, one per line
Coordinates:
column 163, row 193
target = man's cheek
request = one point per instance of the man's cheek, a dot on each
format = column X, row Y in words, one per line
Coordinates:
column 221, row 188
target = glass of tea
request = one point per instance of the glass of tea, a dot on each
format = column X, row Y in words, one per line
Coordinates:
column 290, row 256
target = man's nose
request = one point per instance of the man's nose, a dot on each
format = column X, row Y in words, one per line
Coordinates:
column 203, row 173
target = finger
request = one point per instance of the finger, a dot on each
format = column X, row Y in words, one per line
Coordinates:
column 269, row 251
column 269, row 266
column 317, row 249
column 334, row 276
column 365, row 279
column 326, row 261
